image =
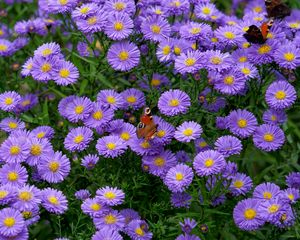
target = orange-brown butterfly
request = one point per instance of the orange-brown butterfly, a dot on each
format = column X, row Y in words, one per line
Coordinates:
column 277, row 9
column 258, row 35
column 146, row 128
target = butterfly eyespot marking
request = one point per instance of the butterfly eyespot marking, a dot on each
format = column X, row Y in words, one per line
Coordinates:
column 147, row 110
column 141, row 125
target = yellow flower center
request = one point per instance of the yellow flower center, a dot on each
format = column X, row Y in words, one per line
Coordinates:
column 139, row 231
column 84, row 10
column 110, row 195
column 145, row 145
column 53, row 166
column 270, row 35
column 159, row 162
column 29, row 66
column 243, row 59
column 78, row 139
column 295, row 25
column 158, row 11
column 79, row 109
column 264, row 49
column 258, row 19
column 291, row 197
column 195, row 30
column 289, row 56
column 177, row 50
column 209, row 162
column 119, row 6
column 188, row 132
column 269, row 137
column 1, row 32
column 257, row 9
column 46, row 52
column 95, row 207
column 123, row 55
column 27, row 214
column 238, row 184
column 273, row 118
column 98, row 115
column 111, row 99
column 179, row 176
column 92, row 20
column 283, row 217
column 3, row 194
column 202, row 144
column 12, row 176
column 9, row 222
column 64, row 73
column 53, row 200
column 125, row 136
column 242, row 123
column 273, row 208
column 25, row 196
column 63, row 2
column 229, row 80
column 190, row 62
column 3, row 47
column 155, row 82
column 229, row 35
column 206, row 10
column 166, row 50
column 36, row 150
column 14, row 150
column 111, row 146
column 155, row 29
column 41, row 135
column 46, row 67
column 174, row 102
column 231, row 23
column 246, row 71
column 25, row 103
column 246, row 45
column 161, row 133
column 110, row 219
column 131, row 99
column 8, row 101
column 250, row 214
column 267, row 195
column 118, row 26
column 216, row 60
column 12, row 125
column 280, row 95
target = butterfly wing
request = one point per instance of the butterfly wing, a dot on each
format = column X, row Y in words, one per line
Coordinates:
column 146, row 128
column 277, row 9
column 254, row 35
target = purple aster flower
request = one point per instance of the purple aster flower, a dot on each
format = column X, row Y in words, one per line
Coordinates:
column 222, row 123
column 9, row 101
column 179, row 177
column 110, row 146
column 54, row 168
column 85, row 10
column 6, row 48
column 145, row 148
column 229, row 36
column 65, row 73
column 230, row 170
column 31, row 216
column 82, row 194
column 138, row 230
column 110, row 98
column 188, row 131
column 174, row 102
column 286, row 218
column 123, row 56
column 164, row 50
column 78, row 139
column 54, row 201
column 242, row 123
column 120, row 6
column 63, row 103
column 248, row 70
column 129, row 215
column 159, row 164
column 110, row 196
column 93, row 23
column 261, row 54
column 118, row 26
column 47, row 50
column 7, row 194
column 228, row 145
column 195, row 31
column 99, row 116
column 155, row 28
column 276, row 117
column 288, row 56
column 230, row 82
column 27, row 67
column 11, row 222
column 189, row 62
column 39, row 149
column 215, row 60
column 42, row 132
column 208, row 163
column 27, row 102
column 187, row 237
column 89, row 161
column 293, row 180
column 28, row 197
column 280, row 95
column 84, row 49
column 240, row 184
column 77, row 108
column 292, row 194
column 11, row 124
column 188, row 225
column 114, row 125
column 126, row 133
column 64, row 6
column 157, row 81
column 14, row 150
column 181, row 199
column 43, row 68
column 183, row 157
column 133, row 98
column 13, row 175
column 107, row 233
column 93, row 207
column 165, row 131
column 268, row 137
column 111, row 219
column 247, row 216
column 204, row 10
column 266, row 191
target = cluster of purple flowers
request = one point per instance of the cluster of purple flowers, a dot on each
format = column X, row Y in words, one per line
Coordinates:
column 48, row 63
column 109, row 222
column 187, row 226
